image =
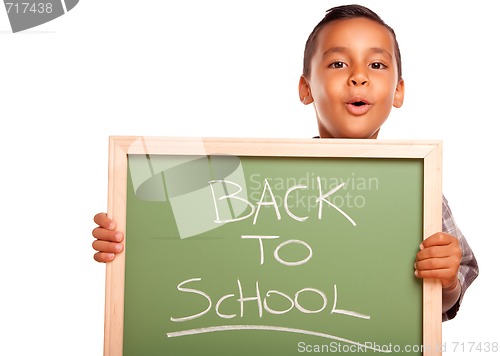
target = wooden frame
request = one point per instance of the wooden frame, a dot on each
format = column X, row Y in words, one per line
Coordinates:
column 120, row 147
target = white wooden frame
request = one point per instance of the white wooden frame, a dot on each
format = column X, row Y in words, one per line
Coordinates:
column 120, row 147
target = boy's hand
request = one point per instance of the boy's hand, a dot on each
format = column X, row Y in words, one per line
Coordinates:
column 439, row 257
column 108, row 241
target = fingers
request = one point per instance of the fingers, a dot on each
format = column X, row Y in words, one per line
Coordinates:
column 104, row 257
column 439, row 258
column 107, row 235
column 108, row 241
column 106, row 251
column 447, row 276
column 104, row 221
column 440, row 245
column 433, row 264
column 442, row 268
column 440, row 252
column 105, row 246
column 439, row 239
column 106, row 229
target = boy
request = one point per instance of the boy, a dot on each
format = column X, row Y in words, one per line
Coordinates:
column 352, row 75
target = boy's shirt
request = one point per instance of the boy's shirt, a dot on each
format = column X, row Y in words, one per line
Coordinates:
column 469, row 269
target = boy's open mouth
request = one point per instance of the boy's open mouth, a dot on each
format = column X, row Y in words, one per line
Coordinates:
column 358, row 107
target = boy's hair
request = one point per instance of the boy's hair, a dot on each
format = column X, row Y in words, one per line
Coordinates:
column 345, row 12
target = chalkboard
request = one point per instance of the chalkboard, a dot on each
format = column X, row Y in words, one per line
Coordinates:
column 272, row 247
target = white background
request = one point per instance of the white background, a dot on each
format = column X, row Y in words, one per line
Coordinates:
column 210, row 68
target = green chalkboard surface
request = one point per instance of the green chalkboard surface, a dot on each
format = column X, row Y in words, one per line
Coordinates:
column 272, row 255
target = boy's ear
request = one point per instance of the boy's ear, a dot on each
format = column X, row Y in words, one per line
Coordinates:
column 399, row 95
column 305, row 91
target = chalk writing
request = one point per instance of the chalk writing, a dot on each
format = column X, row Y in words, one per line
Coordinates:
column 276, row 256
column 262, row 302
column 272, row 202
column 241, row 297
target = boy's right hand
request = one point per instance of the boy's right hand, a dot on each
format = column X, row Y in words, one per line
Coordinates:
column 108, row 241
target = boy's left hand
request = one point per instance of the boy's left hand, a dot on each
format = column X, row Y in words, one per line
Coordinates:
column 439, row 257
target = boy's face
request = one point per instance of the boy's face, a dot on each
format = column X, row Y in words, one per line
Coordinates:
column 354, row 79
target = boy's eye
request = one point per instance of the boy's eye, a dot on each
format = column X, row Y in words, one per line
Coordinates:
column 378, row 65
column 337, row 64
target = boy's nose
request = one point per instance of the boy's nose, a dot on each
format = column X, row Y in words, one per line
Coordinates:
column 358, row 77
column 363, row 82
